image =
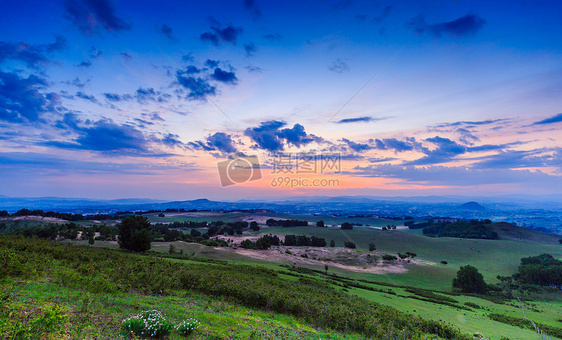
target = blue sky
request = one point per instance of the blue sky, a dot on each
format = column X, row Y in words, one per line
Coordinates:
column 113, row 99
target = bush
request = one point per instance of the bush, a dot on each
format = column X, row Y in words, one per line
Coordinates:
column 388, row 257
column 350, row 245
column 150, row 323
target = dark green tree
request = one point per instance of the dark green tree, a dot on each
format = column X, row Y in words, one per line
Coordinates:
column 320, row 224
column 372, row 247
column 135, row 233
column 332, row 243
column 346, row 226
column 469, row 280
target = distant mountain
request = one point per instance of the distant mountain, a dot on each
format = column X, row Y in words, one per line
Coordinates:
column 472, row 206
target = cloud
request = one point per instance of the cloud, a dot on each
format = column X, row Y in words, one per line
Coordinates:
column 21, row 99
column 250, row 49
column 110, row 138
column 126, row 56
column 166, row 31
column 149, row 94
column 396, row 145
column 554, row 119
column 357, row 147
column 85, row 63
column 338, row 66
column 86, row 97
column 265, row 135
column 33, row 56
column 198, row 88
column 94, row 53
column 458, row 28
column 172, row 140
column 269, row 136
column 252, row 68
column 273, row 36
column 91, row 15
column 456, row 176
column 296, row 136
column 471, row 123
column 222, row 142
column 114, row 97
column 466, row 136
column 253, row 8
column 385, row 12
column 445, row 150
column 513, row 159
column 76, row 82
column 357, row 120
column 217, row 35
column 224, row 76
column 212, row 63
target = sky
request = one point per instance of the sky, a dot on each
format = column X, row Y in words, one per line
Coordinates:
column 256, row 99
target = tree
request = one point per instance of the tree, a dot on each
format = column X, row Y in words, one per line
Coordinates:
column 326, row 269
column 346, row 226
column 350, row 245
column 91, row 241
column 332, row 243
column 172, row 249
column 254, row 226
column 320, row 224
column 372, row 247
column 134, row 233
column 469, row 280
column 388, row 257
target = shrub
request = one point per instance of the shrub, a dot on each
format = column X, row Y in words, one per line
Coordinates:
column 469, row 280
column 151, row 323
column 187, row 326
column 388, row 257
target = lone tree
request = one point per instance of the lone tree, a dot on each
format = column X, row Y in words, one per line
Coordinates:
column 469, row 280
column 320, row 224
column 134, row 233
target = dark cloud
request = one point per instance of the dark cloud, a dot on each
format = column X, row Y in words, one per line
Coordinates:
column 76, row 82
column 90, row 15
column 108, row 137
column 198, row 88
column 445, row 150
column 356, row 120
column 296, row 136
column 126, row 56
column 94, row 53
column 273, row 36
column 21, row 99
column 265, row 135
column 461, row 27
column 114, row 97
column 253, row 8
column 149, row 94
column 212, row 63
column 470, row 123
column 172, row 141
column 338, row 66
column 357, row 147
column 269, row 136
column 166, row 31
column 191, row 70
column 383, row 15
column 224, row 76
column 222, row 142
column 187, row 57
column 85, row 63
column 466, row 136
column 551, row 120
column 251, row 68
column 217, row 35
column 250, row 49
column 86, row 97
column 32, row 56
column 397, row 145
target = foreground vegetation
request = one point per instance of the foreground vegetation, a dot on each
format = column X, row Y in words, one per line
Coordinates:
column 103, row 271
